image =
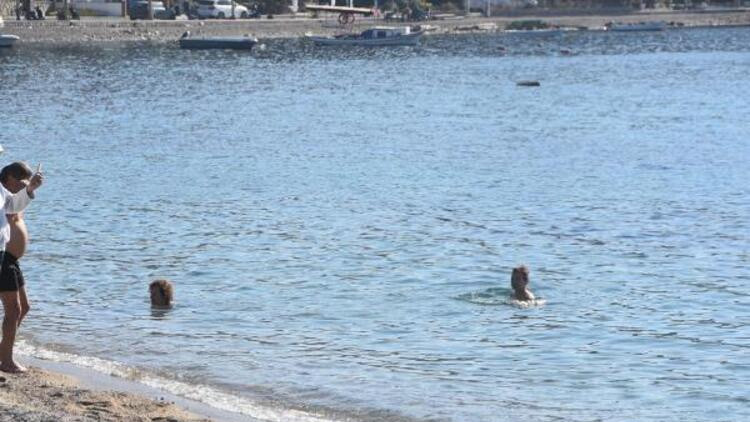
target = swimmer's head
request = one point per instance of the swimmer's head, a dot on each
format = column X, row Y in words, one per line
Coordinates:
column 162, row 294
column 520, row 278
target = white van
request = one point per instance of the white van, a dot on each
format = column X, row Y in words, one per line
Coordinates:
column 220, row 9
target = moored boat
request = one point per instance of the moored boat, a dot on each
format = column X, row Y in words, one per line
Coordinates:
column 542, row 32
column 378, row 36
column 8, row 40
column 200, row 43
column 637, row 26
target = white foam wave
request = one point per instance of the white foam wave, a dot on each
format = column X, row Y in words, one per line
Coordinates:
column 527, row 303
column 200, row 393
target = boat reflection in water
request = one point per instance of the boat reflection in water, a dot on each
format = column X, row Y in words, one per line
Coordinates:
column 377, row 36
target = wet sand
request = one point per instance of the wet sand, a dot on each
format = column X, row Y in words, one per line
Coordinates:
column 40, row 395
column 64, row 392
column 118, row 29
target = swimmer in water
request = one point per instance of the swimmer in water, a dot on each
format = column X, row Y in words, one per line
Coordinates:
column 162, row 294
column 518, row 281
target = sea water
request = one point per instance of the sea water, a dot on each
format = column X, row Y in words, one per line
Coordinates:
column 341, row 224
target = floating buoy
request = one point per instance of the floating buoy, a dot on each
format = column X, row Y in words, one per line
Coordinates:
column 528, row 83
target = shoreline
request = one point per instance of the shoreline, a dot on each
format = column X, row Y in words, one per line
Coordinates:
column 78, row 380
column 57, row 380
column 58, row 390
column 42, row 394
column 121, row 30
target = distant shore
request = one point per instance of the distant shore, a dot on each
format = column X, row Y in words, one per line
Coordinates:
column 283, row 26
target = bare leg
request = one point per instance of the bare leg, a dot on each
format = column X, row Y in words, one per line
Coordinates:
column 12, row 306
column 25, row 307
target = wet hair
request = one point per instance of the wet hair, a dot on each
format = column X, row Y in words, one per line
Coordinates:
column 161, row 293
column 520, row 278
column 18, row 170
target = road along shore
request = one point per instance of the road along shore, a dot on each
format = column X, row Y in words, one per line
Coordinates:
column 118, row 29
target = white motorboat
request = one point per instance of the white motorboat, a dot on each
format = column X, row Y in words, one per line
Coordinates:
column 637, row 26
column 8, row 40
column 378, row 36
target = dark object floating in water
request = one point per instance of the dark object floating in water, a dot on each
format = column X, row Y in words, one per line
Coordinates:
column 528, row 83
column 235, row 43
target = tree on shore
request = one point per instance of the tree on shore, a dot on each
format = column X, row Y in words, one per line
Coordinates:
column 273, row 7
column 7, row 8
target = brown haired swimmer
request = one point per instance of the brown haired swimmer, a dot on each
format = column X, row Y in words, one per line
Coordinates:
column 162, row 294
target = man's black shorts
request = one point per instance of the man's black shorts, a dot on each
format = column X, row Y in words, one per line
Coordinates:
column 11, row 277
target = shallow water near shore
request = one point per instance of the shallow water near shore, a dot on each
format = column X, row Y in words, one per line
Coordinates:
column 340, row 225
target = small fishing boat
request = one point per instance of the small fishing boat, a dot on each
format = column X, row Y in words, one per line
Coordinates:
column 8, row 40
column 378, row 36
column 638, row 26
column 200, row 43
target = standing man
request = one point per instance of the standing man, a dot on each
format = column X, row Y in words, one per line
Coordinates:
column 18, row 186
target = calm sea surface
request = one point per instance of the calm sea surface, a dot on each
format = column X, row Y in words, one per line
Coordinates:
column 340, row 225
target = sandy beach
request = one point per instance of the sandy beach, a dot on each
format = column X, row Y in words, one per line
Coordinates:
column 118, row 29
column 40, row 395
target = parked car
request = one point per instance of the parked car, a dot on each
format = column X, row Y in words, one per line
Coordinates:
column 221, row 9
column 139, row 10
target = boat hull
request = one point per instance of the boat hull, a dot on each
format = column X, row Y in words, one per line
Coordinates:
column 234, row 43
column 8, row 40
column 643, row 26
column 401, row 40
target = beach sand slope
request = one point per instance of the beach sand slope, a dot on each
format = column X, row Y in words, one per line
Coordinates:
column 40, row 396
